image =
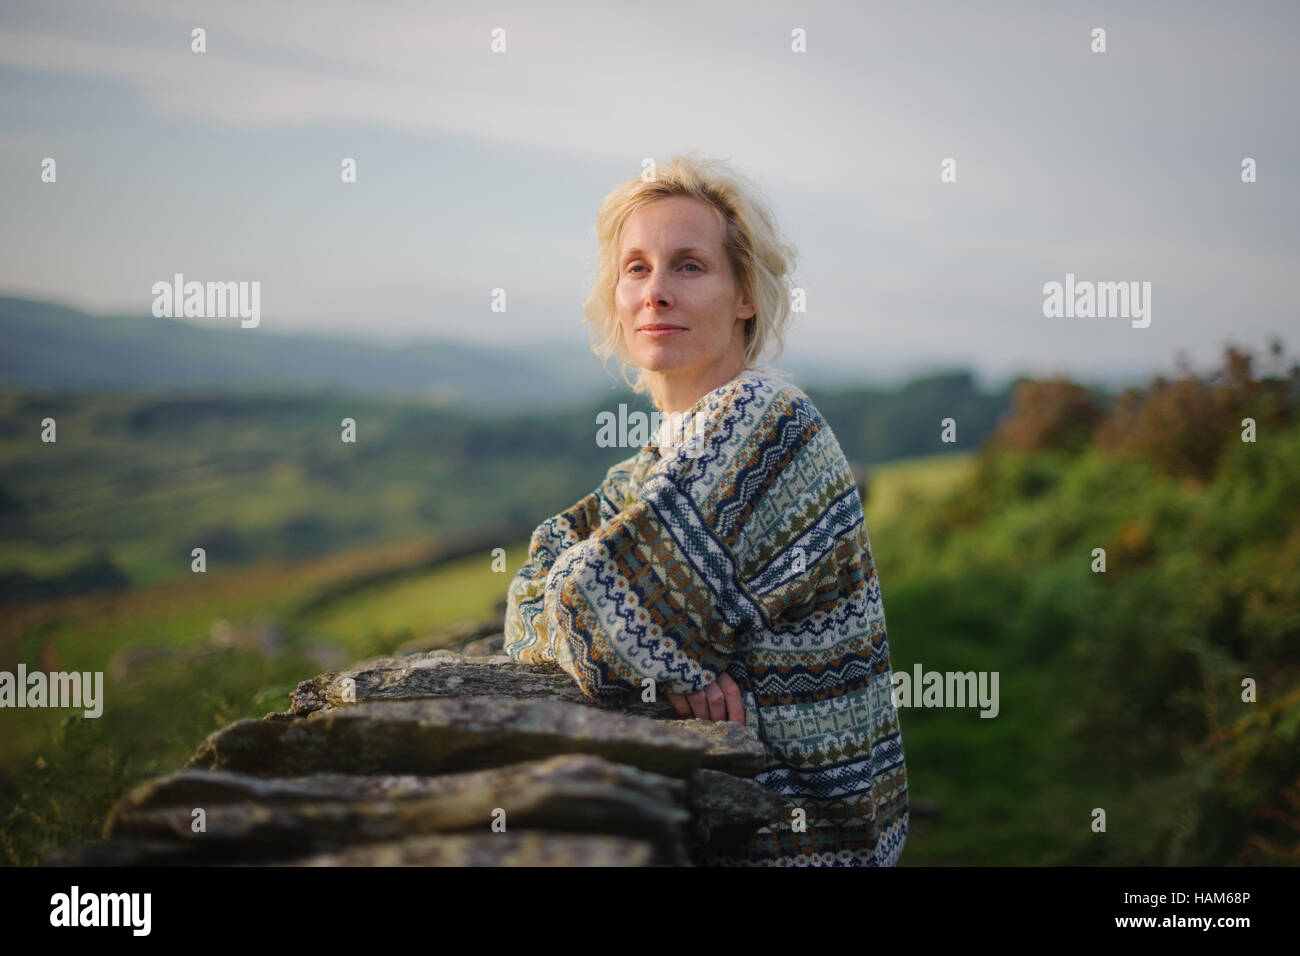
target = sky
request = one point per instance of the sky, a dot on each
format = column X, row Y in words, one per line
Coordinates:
column 479, row 170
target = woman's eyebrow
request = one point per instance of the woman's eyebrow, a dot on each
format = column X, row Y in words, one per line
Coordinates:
column 693, row 250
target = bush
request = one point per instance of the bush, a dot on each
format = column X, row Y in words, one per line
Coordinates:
column 1052, row 413
column 1182, row 427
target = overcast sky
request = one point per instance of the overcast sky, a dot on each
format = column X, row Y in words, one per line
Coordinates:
column 479, row 170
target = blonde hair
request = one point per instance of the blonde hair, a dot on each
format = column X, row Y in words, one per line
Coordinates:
column 760, row 259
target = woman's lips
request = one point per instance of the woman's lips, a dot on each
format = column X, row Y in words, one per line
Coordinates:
column 660, row 332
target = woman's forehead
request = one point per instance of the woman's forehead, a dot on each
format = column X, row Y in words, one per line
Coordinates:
column 682, row 227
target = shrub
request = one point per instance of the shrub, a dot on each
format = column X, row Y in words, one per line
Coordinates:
column 1052, row 413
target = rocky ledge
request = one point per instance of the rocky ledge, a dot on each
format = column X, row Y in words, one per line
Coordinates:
column 448, row 758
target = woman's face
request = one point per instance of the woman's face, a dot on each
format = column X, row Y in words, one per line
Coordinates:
column 673, row 272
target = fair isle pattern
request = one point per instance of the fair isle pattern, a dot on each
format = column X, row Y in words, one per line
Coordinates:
column 747, row 554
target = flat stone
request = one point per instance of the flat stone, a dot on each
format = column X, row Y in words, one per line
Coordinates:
column 572, row 793
column 446, row 673
column 441, row 735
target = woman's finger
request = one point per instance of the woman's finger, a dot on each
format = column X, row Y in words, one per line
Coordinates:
column 679, row 704
column 731, row 690
column 699, row 705
column 717, row 702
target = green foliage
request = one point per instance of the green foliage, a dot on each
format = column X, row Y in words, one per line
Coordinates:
column 1134, row 677
column 58, row 794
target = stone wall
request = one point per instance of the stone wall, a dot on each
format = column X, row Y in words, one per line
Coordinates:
column 453, row 758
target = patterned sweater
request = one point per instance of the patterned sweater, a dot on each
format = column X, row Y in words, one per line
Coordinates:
column 738, row 544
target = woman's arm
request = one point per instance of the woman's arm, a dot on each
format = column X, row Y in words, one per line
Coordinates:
column 525, row 637
column 651, row 593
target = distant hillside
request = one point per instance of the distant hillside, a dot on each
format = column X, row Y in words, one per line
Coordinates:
column 51, row 346
column 135, row 481
column 875, row 425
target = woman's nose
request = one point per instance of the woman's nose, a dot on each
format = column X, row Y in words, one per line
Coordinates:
column 656, row 295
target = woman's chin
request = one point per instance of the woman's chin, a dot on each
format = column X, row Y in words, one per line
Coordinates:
column 667, row 366
column 666, row 359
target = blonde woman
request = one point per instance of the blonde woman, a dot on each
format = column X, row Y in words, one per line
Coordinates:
column 728, row 560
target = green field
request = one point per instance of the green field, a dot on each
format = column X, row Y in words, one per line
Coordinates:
column 1120, row 691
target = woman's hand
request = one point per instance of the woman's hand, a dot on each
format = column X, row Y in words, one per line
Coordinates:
column 719, row 701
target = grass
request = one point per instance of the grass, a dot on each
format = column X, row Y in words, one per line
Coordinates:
column 895, row 487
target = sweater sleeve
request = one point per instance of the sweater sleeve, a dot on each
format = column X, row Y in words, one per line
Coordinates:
column 525, row 628
column 651, row 593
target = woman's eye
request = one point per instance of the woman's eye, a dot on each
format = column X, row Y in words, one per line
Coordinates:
column 639, row 266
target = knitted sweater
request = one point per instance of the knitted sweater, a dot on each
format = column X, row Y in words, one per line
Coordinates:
column 739, row 547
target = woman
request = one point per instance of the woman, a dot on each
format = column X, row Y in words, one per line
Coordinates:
column 727, row 561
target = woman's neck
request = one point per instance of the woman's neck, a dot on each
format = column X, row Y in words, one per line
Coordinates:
column 676, row 392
